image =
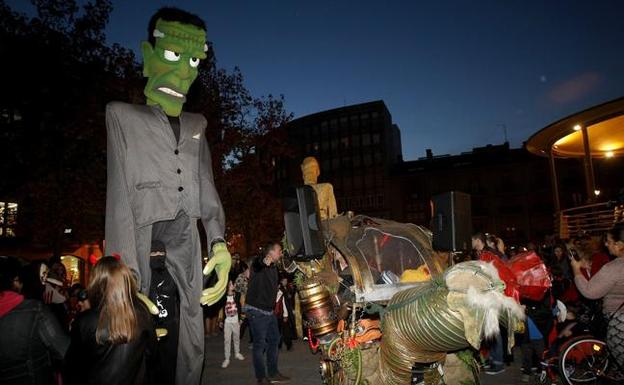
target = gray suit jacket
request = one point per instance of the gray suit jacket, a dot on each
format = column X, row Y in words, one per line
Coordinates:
column 151, row 177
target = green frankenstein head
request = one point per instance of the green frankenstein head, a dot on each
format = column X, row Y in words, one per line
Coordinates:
column 177, row 42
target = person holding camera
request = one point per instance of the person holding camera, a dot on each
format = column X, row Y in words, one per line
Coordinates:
column 608, row 283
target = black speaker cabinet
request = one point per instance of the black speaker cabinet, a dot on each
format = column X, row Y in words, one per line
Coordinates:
column 451, row 221
column 303, row 225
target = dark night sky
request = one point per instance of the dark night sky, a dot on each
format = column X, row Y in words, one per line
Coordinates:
column 452, row 73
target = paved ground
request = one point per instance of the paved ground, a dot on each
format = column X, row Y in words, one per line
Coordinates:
column 299, row 364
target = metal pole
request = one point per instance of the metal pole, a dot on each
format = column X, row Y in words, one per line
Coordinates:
column 554, row 181
column 590, row 184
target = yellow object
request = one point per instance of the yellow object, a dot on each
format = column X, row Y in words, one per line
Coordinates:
column 324, row 191
column 161, row 332
column 153, row 309
column 220, row 262
column 416, row 275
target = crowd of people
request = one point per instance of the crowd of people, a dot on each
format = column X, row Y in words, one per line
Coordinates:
column 106, row 334
column 586, row 296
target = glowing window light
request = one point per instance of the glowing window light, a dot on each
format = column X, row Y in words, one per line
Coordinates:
column 577, row 127
column 609, row 154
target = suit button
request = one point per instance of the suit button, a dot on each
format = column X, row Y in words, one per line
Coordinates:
column 179, row 171
column 176, row 151
column 180, row 188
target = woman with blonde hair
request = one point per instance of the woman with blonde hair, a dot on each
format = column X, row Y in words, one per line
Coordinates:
column 111, row 343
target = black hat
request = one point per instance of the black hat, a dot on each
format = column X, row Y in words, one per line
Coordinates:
column 158, row 246
column 9, row 270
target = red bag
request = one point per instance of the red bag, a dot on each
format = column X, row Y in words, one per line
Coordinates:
column 531, row 275
column 504, row 273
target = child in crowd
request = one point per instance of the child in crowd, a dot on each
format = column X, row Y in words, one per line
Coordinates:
column 231, row 326
column 113, row 342
column 539, row 322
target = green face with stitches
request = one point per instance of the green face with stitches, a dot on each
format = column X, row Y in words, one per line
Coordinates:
column 170, row 65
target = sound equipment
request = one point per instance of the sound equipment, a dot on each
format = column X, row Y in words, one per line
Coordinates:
column 303, row 225
column 451, row 221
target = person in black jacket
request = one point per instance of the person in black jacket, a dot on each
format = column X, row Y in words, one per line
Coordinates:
column 30, row 335
column 286, row 320
column 164, row 293
column 112, row 342
column 261, row 296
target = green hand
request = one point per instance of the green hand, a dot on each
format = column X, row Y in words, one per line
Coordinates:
column 220, row 262
column 153, row 309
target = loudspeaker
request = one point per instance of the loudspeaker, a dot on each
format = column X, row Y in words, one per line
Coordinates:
column 451, row 221
column 303, row 225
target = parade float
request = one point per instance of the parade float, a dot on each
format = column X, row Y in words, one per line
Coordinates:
column 379, row 305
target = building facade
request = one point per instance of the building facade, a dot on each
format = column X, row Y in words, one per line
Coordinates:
column 510, row 189
column 359, row 151
column 356, row 147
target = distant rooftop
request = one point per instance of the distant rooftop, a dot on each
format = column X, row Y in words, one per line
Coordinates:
column 345, row 110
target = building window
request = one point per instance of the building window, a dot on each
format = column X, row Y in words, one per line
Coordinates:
column 378, row 157
column 325, row 165
column 344, row 142
column 8, row 219
column 343, row 121
column 333, row 124
column 366, row 139
column 8, row 115
column 376, row 138
column 355, row 121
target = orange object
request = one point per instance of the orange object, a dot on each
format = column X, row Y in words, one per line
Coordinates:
column 367, row 330
column 340, row 327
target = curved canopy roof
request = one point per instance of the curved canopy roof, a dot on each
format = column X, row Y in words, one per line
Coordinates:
column 605, row 130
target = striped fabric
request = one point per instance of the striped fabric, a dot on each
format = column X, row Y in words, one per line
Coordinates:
column 615, row 337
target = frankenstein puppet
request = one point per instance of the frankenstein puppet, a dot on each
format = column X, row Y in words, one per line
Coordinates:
column 160, row 182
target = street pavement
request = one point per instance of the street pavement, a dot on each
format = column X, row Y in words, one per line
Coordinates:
column 299, row 364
